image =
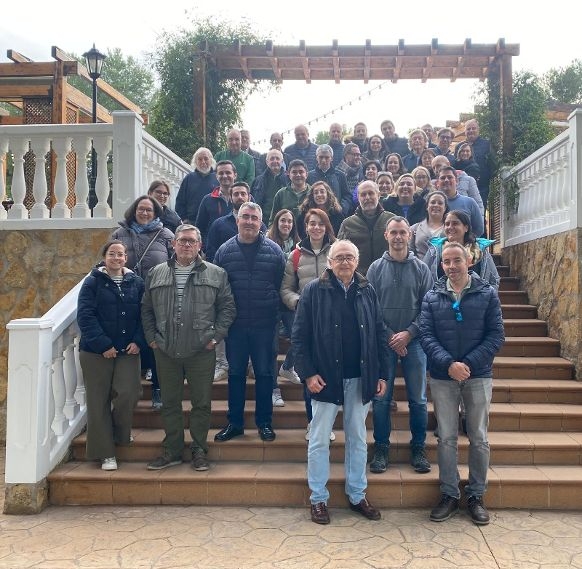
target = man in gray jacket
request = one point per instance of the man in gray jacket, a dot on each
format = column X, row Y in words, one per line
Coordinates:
column 187, row 309
column 401, row 281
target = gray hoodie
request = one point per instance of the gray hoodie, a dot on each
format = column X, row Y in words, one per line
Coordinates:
column 400, row 286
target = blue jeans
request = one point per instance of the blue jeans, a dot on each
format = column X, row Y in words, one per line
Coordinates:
column 476, row 395
column 256, row 343
column 414, row 370
column 288, row 316
column 324, row 415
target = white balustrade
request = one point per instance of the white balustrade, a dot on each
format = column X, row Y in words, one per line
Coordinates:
column 549, row 189
column 138, row 159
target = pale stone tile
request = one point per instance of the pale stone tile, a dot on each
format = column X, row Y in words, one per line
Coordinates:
column 69, row 551
column 459, row 540
column 57, row 564
column 143, row 553
column 466, row 558
column 354, row 550
column 180, row 557
column 333, row 534
column 100, row 560
column 230, row 529
column 163, row 529
column 430, row 563
column 391, row 556
column 424, row 549
column 43, row 542
column 18, row 560
column 416, row 533
column 525, row 537
column 114, row 540
column 541, row 554
column 560, row 528
column 271, row 538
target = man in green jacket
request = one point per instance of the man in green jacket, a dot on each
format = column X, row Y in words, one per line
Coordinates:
column 243, row 162
column 365, row 228
column 187, row 309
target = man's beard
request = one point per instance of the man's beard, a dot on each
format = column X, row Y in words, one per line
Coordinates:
column 204, row 170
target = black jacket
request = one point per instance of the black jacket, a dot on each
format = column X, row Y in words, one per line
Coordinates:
column 317, row 338
column 416, row 212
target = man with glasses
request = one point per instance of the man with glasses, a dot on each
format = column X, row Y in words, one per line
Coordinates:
column 445, row 137
column 341, row 351
column 160, row 191
column 461, row 330
column 186, row 310
column 255, row 267
column 351, row 165
column 365, row 228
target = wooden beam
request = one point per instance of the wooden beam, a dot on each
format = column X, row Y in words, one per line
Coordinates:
column 367, row 53
column 335, row 61
column 85, row 104
column 6, row 120
column 199, row 64
column 34, row 69
column 273, row 60
column 506, row 101
column 17, row 57
column 61, row 55
column 17, row 92
column 59, row 101
column 243, row 61
column 304, row 61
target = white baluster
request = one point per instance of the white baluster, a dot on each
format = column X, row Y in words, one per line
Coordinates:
column 71, row 407
column 81, row 146
column 80, row 393
column 102, row 145
column 3, row 196
column 60, row 421
column 61, row 147
column 18, row 210
column 40, row 146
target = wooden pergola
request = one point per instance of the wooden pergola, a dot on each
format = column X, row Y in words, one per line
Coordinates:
column 42, row 92
column 362, row 63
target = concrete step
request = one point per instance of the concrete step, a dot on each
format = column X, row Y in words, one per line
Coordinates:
column 547, row 417
column 530, row 347
column 508, row 367
column 276, row 483
column 513, row 311
column 503, row 270
column 525, row 327
column 509, row 283
column 290, row 446
column 513, row 297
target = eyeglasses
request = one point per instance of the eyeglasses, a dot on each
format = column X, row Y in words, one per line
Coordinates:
column 457, row 308
column 144, row 210
column 344, row 259
column 187, row 242
column 163, row 194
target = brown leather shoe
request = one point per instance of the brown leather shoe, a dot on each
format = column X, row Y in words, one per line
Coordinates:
column 366, row 509
column 319, row 513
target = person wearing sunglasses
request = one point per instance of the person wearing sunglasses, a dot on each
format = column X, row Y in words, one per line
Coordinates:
column 461, row 330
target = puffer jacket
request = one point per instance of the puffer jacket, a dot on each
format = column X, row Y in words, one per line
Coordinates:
column 207, row 309
column 256, row 291
column 317, row 337
column 485, row 267
column 416, row 210
column 108, row 315
column 136, row 243
column 309, row 267
column 474, row 340
column 369, row 241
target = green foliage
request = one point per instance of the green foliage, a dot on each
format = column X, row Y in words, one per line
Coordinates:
column 172, row 119
column 565, row 83
column 131, row 78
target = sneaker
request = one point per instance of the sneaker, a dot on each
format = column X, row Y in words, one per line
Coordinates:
column 163, row 462
column 109, row 463
column 419, row 461
column 277, row 398
column 220, row 371
column 331, row 435
column 379, row 462
column 199, row 460
column 156, row 399
column 148, row 375
column 445, row 509
column 478, row 511
column 250, row 371
column 289, row 374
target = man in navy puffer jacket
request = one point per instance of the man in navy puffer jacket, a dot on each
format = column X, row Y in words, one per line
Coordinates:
column 461, row 330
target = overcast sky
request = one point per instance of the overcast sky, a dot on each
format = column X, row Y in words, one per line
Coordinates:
column 547, row 39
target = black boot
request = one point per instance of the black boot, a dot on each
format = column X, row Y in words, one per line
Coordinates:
column 379, row 462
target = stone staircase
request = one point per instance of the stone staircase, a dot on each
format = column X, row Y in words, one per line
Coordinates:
column 535, row 436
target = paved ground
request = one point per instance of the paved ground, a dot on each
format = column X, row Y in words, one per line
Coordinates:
column 172, row 537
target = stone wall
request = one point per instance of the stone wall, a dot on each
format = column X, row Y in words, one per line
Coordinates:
column 550, row 272
column 37, row 268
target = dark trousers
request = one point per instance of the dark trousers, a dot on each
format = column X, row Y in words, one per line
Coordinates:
column 113, row 389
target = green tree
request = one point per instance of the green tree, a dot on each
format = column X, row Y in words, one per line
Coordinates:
column 172, row 116
column 128, row 75
column 565, row 83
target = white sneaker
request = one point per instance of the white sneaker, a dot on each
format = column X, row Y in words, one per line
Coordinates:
column 109, row 463
column 277, row 398
column 220, row 371
column 307, row 434
column 289, row 374
column 250, row 371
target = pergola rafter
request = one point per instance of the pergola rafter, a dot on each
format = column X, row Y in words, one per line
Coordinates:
column 368, row 62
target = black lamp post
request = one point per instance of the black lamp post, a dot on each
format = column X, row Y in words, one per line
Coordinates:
column 94, row 60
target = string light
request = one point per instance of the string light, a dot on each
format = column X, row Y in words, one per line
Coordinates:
column 332, row 111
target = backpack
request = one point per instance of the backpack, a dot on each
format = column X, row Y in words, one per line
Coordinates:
column 295, row 256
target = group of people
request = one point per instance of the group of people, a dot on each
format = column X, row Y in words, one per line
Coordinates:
column 401, row 275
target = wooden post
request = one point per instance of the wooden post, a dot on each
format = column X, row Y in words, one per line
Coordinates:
column 506, row 97
column 199, row 89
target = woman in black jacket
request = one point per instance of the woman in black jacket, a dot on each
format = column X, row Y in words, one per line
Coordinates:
column 407, row 202
column 109, row 318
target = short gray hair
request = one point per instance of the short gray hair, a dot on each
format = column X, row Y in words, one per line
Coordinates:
column 338, row 242
column 188, row 227
column 324, row 148
column 252, row 206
